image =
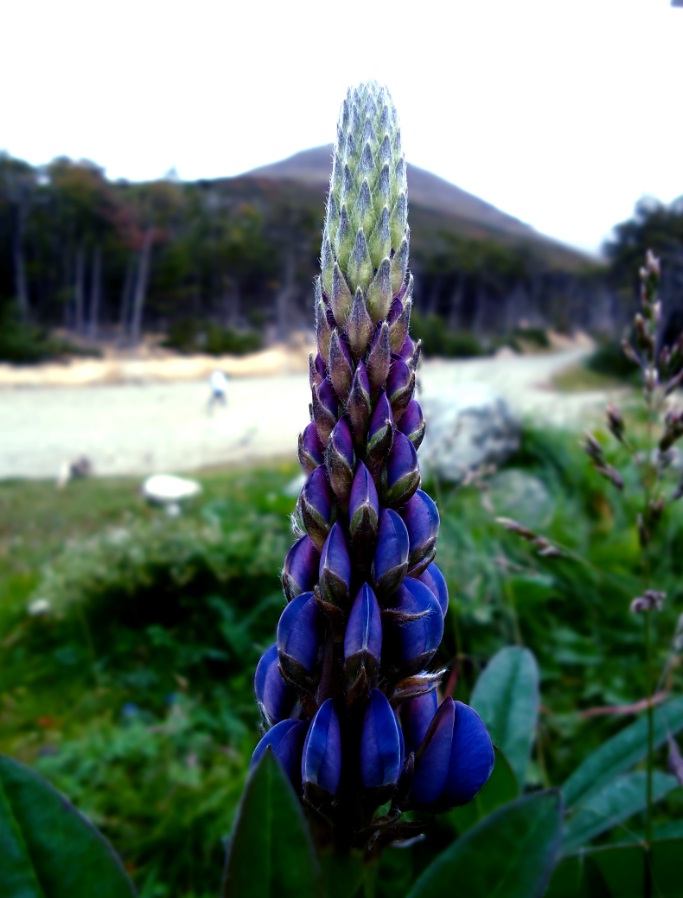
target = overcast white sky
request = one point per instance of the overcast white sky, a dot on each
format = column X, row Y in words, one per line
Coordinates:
column 561, row 113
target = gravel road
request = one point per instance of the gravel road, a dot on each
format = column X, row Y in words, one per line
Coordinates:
column 141, row 428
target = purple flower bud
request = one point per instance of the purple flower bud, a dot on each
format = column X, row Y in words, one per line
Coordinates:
column 400, row 386
column 378, row 358
column 299, row 633
column 335, row 568
column 413, row 627
column 434, row 579
column 341, row 366
column 391, row 553
column 381, row 747
column 317, row 371
column 379, row 292
column 412, row 423
column 340, row 299
column 322, row 325
column 325, row 409
column 316, row 506
column 359, row 326
column 380, row 434
column 401, row 476
column 286, row 739
column 310, row 448
column 454, row 761
column 275, row 698
column 398, row 329
column 363, row 507
column 359, row 404
column 363, row 638
column 421, row 518
column 301, row 568
column 340, row 459
column 416, row 716
column 407, row 350
column 321, row 760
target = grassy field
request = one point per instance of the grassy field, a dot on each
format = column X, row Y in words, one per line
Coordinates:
column 133, row 692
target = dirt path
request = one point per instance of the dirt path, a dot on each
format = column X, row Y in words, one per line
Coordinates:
column 146, row 426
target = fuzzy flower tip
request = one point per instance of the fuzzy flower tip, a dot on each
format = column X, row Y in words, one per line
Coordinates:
column 347, row 701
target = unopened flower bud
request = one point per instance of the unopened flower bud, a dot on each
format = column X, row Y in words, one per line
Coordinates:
column 300, row 568
column 421, row 518
column 335, row 568
column 363, row 638
column 321, row 761
column 275, row 697
column 316, row 506
column 340, row 459
column 416, row 717
column 299, row 632
column 340, row 365
column 286, row 740
column 311, row 450
column 391, row 553
column 363, row 507
column 381, row 747
column 434, row 579
column 378, row 359
column 455, row 760
column 413, row 626
column 412, row 423
column 400, row 386
column 359, row 404
column 401, row 475
column 325, row 408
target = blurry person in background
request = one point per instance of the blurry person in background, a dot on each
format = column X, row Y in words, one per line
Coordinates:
column 219, row 385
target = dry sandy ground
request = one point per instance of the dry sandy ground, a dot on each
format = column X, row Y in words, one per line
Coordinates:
column 151, row 415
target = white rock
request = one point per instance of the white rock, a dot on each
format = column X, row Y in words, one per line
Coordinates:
column 167, row 489
column 468, row 425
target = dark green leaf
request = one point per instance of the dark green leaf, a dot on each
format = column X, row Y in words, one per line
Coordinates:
column 501, row 788
column 506, row 698
column 617, row 871
column 620, row 753
column 615, row 802
column 271, row 853
column 510, row 854
column 48, row 849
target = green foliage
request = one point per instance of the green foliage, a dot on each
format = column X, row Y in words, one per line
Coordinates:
column 510, row 854
column 271, row 852
column 47, row 847
column 190, row 335
column 609, row 359
column 438, row 340
column 506, row 698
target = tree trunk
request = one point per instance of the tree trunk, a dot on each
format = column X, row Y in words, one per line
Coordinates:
column 95, row 293
column 79, row 290
column 124, row 309
column 141, row 281
column 282, row 300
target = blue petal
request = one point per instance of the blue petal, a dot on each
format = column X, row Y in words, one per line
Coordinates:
column 433, row 759
column 275, row 698
column 299, row 630
column 434, row 579
column 381, row 753
column 300, row 569
column 415, row 640
column 364, row 626
column 471, row 760
column 286, row 740
column 416, row 716
column 322, row 757
column 391, row 553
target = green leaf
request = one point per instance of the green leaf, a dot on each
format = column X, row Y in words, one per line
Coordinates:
column 615, row 802
column 620, row 753
column 617, row 871
column 48, row 849
column 506, row 698
column 271, row 852
column 510, row 854
column 500, row 788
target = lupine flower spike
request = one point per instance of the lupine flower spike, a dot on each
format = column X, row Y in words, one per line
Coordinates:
column 347, row 700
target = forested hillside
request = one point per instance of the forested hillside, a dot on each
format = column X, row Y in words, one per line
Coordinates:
column 225, row 264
